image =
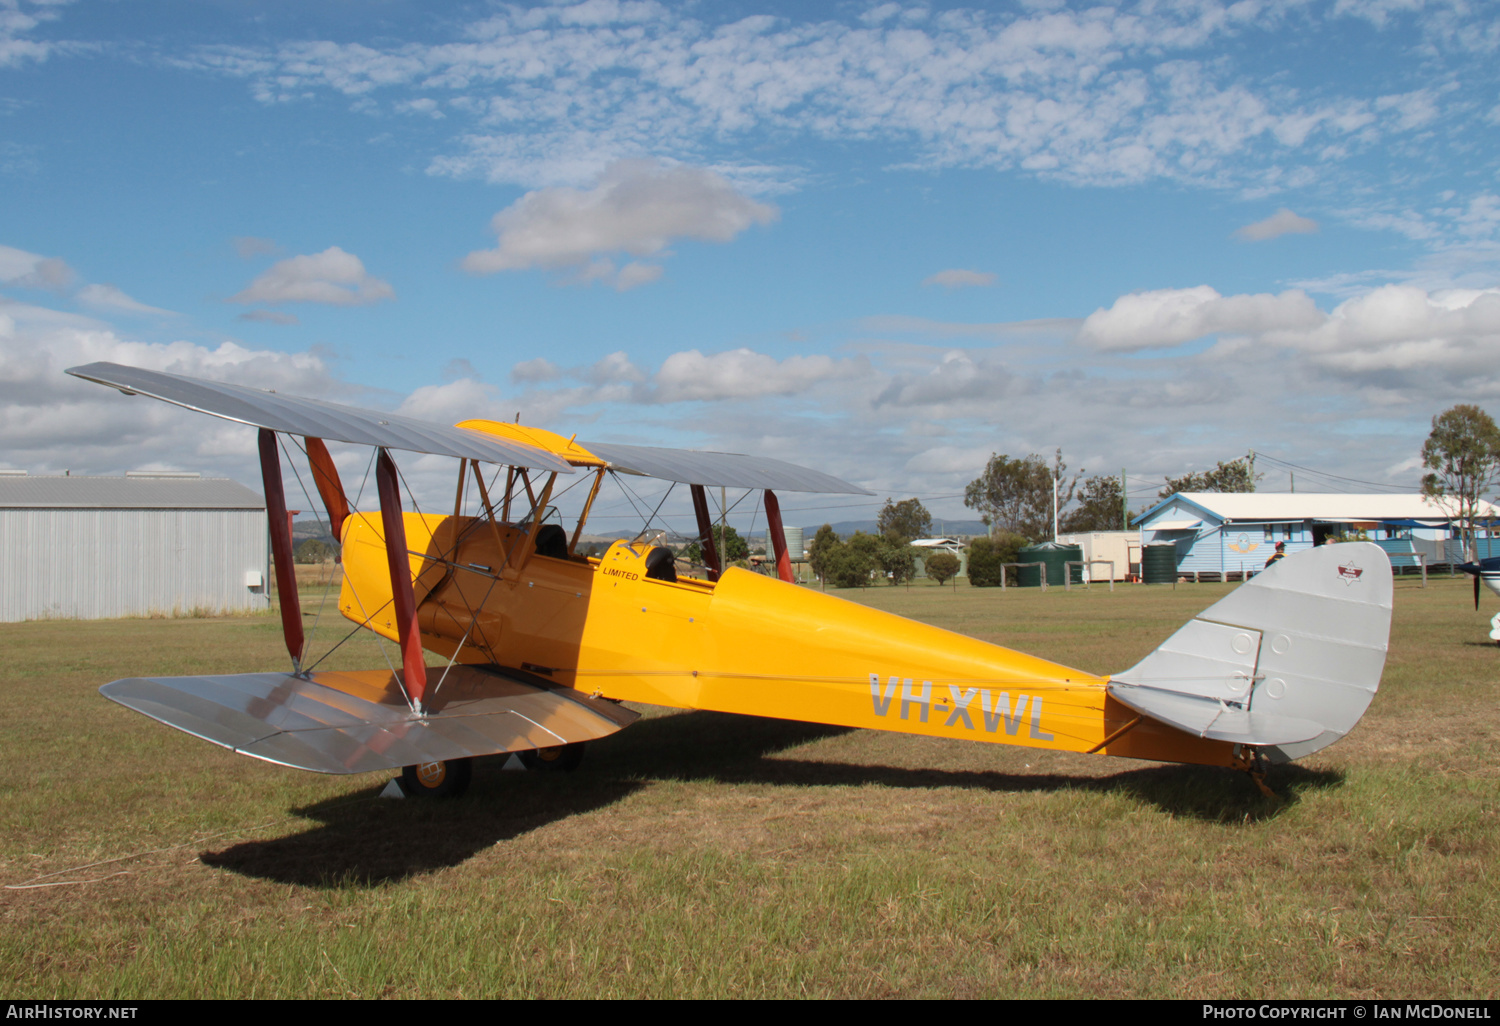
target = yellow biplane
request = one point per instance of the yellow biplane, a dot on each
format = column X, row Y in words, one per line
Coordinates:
column 538, row 645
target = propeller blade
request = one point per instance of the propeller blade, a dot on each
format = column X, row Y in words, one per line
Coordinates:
column 1476, row 591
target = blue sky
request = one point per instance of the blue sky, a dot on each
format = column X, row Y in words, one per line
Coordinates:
column 885, row 240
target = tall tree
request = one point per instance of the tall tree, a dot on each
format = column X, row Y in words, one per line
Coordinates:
column 1235, row 476
column 988, row 556
column 1016, row 495
column 1463, row 452
column 1100, row 507
column 823, row 544
column 905, row 520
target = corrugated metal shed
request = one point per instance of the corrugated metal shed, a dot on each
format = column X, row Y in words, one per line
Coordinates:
column 136, row 491
column 99, row 547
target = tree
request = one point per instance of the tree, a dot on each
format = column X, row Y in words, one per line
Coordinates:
column 898, row 560
column 942, row 566
column 1463, row 452
column 906, row 520
column 727, row 540
column 988, row 556
column 823, row 543
column 1235, row 476
column 1100, row 507
column 313, row 550
column 1016, row 495
column 850, row 564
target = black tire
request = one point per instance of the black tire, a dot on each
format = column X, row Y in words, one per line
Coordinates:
column 437, row 779
column 558, row 759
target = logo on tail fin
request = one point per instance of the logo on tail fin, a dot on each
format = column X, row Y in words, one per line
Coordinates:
column 1349, row 573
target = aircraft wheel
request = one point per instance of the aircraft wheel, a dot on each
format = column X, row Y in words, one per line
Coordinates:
column 557, row 759
column 437, row 779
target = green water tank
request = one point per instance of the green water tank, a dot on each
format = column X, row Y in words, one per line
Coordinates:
column 1056, row 557
column 1159, row 563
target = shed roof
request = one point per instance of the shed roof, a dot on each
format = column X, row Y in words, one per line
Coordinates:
column 1261, row 507
column 27, row 492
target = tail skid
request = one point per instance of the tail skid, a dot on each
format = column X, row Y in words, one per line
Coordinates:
column 1286, row 663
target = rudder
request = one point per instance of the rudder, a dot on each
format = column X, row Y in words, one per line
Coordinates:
column 1288, row 662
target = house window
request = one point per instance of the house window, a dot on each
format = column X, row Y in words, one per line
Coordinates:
column 1286, row 532
column 1270, row 533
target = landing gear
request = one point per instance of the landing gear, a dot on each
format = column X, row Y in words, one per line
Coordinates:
column 447, row 779
column 558, row 759
column 1253, row 762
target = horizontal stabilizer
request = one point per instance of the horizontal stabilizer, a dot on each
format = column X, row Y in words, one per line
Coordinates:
column 1289, row 661
column 360, row 722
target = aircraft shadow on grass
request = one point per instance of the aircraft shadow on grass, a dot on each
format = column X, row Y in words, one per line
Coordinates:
column 365, row 842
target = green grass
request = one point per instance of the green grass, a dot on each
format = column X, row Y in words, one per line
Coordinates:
column 703, row 855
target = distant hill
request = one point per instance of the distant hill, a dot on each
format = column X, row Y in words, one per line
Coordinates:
column 305, row 529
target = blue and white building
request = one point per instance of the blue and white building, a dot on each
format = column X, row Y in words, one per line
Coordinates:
column 1221, row 534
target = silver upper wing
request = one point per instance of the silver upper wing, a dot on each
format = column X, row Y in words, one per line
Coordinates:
column 727, row 469
column 313, row 417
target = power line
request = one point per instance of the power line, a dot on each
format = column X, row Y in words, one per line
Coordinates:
column 1384, row 486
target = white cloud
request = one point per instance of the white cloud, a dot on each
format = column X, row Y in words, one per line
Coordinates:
column 1169, row 317
column 637, row 207
column 1099, row 94
column 636, row 274
column 535, row 370
column 269, row 317
column 958, row 279
column 332, row 277
column 744, row 374
column 453, row 401
column 18, row 17
column 1413, row 110
column 52, row 422
column 1452, row 333
column 18, row 267
column 614, row 368
column 109, row 299
column 425, row 107
column 1481, row 218
column 1283, row 222
column 249, row 246
column 957, row 376
column 692, row 376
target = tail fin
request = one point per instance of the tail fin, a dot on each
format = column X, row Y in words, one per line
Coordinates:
column 1288, row 662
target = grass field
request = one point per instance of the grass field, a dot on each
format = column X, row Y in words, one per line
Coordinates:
column 702, row 855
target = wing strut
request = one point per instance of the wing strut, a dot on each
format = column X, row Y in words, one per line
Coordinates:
column 281, row 547
column 330, row 489
column 778, row 537
column 401, row 590
column 706, row 533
